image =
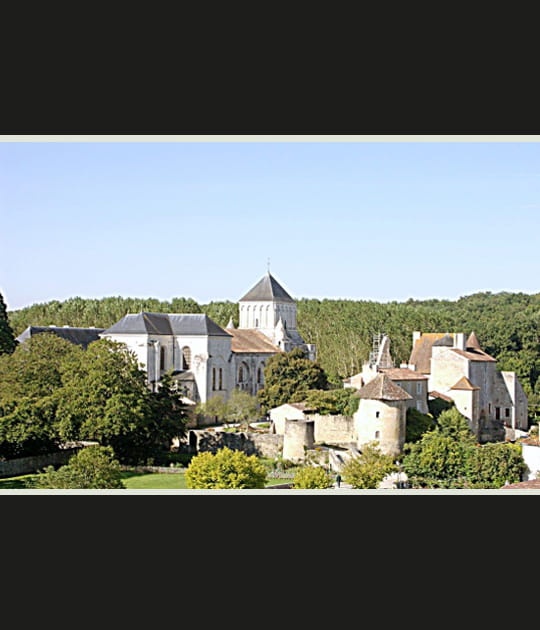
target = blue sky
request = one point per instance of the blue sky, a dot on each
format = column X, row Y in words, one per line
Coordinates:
column 359, row 220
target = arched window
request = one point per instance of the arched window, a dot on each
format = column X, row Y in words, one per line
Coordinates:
column 162, row 358
column 259, row 375
column 186, row 358
column 220, row 378
column 213, row 378
column 241, row 375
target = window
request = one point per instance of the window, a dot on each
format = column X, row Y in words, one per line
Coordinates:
column 377, row 435
column 256, row 323
column 507, row 412
column 186, row 358
column 418, row 388
column 162, row 359
column 377, row 414
column 241, row 375
column 497, row 413
column 259, row 375
column 213, row 378
column 220, row 378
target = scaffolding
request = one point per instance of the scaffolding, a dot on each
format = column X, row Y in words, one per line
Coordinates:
column 375, row 357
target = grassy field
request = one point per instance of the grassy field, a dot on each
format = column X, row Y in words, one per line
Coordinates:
column 132, row 480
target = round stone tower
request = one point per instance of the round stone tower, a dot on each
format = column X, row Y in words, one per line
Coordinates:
column 299, row 435
column 381, row 415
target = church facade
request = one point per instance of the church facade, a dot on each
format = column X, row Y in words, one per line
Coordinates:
column 206, row 360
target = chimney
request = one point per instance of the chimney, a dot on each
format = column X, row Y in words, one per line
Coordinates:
column 459, row 341
column 416, row 336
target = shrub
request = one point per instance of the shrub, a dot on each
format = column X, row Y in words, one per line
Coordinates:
column 92, row 467
column 417, row 424
column 312, row 477
column 225, row 469
column 369, row 469
column 491, row 465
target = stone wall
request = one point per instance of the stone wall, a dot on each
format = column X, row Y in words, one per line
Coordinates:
column 334, row 429
column 261, row 444
column 28, row 465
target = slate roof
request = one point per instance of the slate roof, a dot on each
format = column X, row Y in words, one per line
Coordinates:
column 267, row 289
column 244, row 340
column 403, row 374
column 167, row 324
column 464, row 384
column 79, row 336
column 382, row 388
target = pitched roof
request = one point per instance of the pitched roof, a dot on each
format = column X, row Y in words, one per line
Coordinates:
column 403, row 374
column 79, row 336
column 267, row 289
column 167, row 324
column 472, row 342
column 436, row 394
column 247, row 340
column 382, row 388
column 421, row 352
column 464, row 384
column 474, row 355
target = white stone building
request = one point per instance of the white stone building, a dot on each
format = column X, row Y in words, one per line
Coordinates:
column 207, row 360
column 458, row 369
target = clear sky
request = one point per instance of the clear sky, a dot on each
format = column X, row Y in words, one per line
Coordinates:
column 364, row 220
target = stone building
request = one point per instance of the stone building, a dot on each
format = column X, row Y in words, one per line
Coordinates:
column 381, row 362
column 381, row 415
column 457, row 368
column 207, row 360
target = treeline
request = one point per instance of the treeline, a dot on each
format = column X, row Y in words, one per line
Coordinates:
column 506, row 324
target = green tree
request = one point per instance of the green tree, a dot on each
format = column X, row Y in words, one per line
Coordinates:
column 92, row 467
column 7, row 338
column 369, row 469
column 417, row 424
column 35, row 369
column 343, row 401
column 491, row 465
column 225, row 469
column 454, row 425
column 105, row 398
column 288, row 376
column 312, row 477
column 241, row 407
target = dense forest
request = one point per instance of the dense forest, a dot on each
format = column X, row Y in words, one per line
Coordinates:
column 506, row 325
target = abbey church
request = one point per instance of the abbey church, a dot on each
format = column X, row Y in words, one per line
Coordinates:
column 206, row 360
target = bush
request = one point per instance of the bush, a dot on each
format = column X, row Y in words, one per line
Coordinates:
column 417, row 424
column 312, row 477
column 491, row 465
column 369, row 469
column 225, row 469
column 92, row 467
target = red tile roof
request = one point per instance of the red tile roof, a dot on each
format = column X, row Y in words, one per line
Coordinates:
column 382, row 388
column 474, row 355
column 464, row 384
column 404, row 374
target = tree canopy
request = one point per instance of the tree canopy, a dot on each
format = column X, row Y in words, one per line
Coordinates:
column 367, row 470
column 52, row 391
column 288, row 376
column 7, row 338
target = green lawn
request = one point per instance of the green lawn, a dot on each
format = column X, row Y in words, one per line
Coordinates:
column 133, row 480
